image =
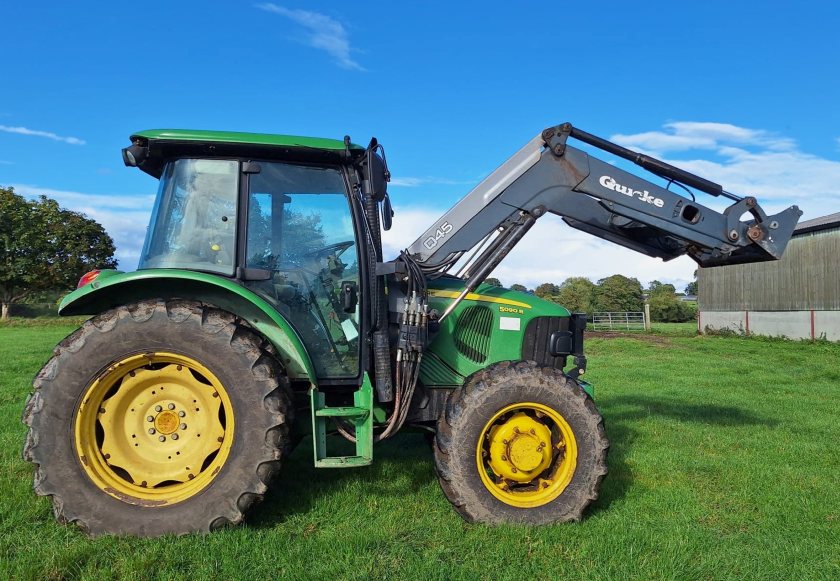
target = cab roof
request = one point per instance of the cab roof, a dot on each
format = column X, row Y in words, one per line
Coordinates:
column 199, row 135
column 166, row 144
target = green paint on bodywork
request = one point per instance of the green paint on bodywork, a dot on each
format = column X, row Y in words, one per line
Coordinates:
column 113, row 288
column 243, row 138
column 498, row 314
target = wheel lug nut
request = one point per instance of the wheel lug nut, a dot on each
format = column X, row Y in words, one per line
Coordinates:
column 183, row 426
column 504, row 458
column 158, row 408
column 151, row 430
column 162, row 438
column 174, row 436
column 514, row 470
column 150, row 419
column 533, row 432
column 171, row 406
column 182, row 413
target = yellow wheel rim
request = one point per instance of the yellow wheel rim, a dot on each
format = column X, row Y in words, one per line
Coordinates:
column 526, row 455
column 154, row 429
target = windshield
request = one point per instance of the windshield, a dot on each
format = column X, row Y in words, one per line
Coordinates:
column 193, row 223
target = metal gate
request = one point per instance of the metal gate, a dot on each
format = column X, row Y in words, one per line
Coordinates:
column 628, row 321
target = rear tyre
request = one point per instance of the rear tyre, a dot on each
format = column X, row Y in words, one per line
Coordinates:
column 520, row 443
column 157, row 417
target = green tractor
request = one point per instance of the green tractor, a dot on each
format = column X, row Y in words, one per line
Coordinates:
column 263, row 311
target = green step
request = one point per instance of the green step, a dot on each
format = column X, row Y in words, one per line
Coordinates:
column 360, row 415
column 342, row 461
column 345, row 412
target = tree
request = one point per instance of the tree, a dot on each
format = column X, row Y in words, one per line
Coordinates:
column 44, row 247
column 665, row 306
column 493, row 282
column 617, row 293
column 691, row 288
column 519, row 287
column 547, row 290
column 577, row 294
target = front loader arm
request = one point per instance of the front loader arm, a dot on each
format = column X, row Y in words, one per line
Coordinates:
column 547, row 175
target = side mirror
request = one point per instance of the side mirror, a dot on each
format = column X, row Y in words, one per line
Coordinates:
column 387, row 213
column 375, row 174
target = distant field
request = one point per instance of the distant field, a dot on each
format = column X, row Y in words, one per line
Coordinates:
column 724, row 465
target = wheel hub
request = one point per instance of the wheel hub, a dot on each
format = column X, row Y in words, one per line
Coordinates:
column 166, row 422
column 526, row 454
column 520, row 448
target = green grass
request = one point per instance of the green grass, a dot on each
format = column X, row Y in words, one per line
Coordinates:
column 723, row 465
column 684, row 329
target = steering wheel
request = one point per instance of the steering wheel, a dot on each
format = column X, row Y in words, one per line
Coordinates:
column 337, row 248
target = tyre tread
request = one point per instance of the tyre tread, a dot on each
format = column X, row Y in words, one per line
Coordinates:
column 265, row 370
column 512, row 379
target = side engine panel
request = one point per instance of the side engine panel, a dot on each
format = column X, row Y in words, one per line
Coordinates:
column 493, row 324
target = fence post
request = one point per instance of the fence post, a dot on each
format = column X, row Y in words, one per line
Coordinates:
column 647, row 316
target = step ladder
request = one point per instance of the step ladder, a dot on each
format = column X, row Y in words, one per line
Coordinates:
column 359, row 415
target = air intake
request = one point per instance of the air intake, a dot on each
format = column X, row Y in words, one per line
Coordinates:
column 472, row 333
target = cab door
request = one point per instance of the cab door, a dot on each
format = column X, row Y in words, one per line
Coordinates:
column 300, row 229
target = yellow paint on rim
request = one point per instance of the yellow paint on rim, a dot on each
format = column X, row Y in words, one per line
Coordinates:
column 526, row 454
column 154, row 429
column 476, row 297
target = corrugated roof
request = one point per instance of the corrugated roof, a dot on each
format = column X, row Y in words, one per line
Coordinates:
column 821, row 223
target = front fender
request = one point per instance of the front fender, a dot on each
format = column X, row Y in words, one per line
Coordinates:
column 112, row 289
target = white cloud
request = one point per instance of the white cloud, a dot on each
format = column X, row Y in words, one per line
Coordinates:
column 407, row 182
column 414, row 182
column 322, row 32
column 686, row 135
column 73, row 200
column 747, row 162
column 37, row 133
column 409, row 224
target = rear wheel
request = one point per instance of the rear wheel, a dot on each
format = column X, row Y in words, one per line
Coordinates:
column 158, row 417
column 521, row 443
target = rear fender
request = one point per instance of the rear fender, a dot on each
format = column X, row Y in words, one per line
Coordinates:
column 112, row 289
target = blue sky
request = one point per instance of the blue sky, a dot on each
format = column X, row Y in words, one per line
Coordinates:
column 744, row 93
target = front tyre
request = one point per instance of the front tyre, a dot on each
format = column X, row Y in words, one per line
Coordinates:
column 157, row 417
column 520, row 443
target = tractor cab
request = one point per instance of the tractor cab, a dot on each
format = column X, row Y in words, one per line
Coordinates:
column 277, row 215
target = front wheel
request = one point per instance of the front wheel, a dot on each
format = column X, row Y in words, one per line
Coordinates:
column 157, row 417
column 520, row 443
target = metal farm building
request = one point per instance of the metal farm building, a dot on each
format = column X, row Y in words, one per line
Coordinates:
column 796, row 297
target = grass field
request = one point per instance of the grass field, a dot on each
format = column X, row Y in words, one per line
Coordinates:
column 724, row 465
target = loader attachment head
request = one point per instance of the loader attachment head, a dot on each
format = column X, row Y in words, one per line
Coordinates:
column 658, row 221
column 766, row 239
